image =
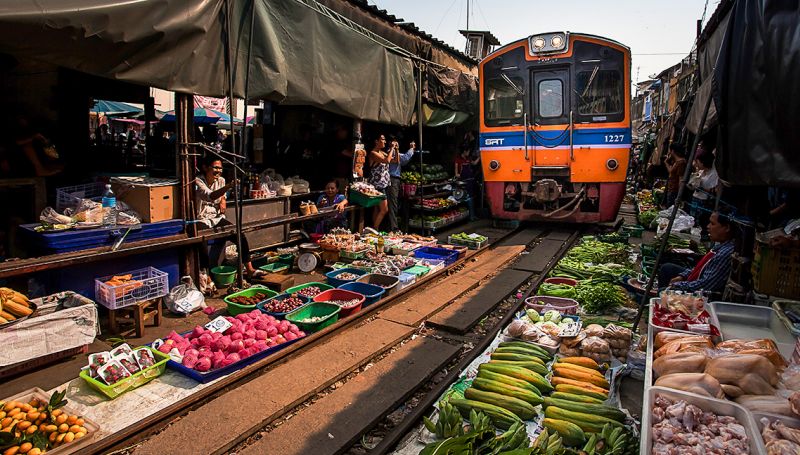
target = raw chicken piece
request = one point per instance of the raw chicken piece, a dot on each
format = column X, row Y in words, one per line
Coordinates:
column 731, row 390
column 765, row 403
column 792, row 434
column 782, row 447
column 699, row 383
column 754, row 374
column 768, row 433
column 794, row 399
column 680, row 362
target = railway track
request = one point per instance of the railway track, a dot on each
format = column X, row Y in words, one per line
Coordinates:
column 241, row 412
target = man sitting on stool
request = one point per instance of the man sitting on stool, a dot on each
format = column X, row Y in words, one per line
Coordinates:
column 712, row 271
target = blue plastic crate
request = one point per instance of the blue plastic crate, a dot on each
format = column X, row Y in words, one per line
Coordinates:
column 220, row 372
column 430, row 252
column 76, row 239
column 333, row 281
column 371, row 292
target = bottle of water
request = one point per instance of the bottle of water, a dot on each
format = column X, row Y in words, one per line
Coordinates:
column 109, row 207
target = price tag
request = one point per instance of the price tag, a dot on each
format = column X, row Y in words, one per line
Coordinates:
column 184, row 306
column 219, row 324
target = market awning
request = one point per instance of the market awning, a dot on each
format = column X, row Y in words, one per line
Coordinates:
column 439, row 116
column 114, row 108
column 204, row 116
column 180, row 45
column 757, row 95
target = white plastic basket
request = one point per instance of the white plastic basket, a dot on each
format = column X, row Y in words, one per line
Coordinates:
column 146, row 284
column 70, row 196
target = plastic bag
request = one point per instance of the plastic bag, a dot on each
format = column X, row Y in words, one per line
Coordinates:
column 185, row 297
column 231, row 254
column 50, row 216
column 207, row 286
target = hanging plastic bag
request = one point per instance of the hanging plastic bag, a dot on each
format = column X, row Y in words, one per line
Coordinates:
column 185, row 297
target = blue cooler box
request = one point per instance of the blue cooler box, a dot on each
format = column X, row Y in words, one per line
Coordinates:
column 41, row 243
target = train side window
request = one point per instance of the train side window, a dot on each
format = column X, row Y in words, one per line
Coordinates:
column 503, row 105
column 599, row 92
column 551, row 98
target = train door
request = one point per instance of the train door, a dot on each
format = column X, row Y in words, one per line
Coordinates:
column 551, row 113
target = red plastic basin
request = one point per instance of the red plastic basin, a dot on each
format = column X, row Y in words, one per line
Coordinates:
column 561, row 280
column 342, row 294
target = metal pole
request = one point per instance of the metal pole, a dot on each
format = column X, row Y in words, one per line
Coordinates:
column 237, row 187
column 665, row 236
column 184, row 121
column 420, row 115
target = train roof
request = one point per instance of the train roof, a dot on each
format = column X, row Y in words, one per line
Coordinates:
column 586, row 35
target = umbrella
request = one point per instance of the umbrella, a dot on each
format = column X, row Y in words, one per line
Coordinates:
column 203, row 116
column 114, row 108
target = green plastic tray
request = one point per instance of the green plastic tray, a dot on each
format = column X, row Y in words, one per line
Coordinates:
column 130, row 383
column 418, row 270
column 328, row 311
column 358, row 198
column 321, row 286
column 235, row 308
column 275, row 267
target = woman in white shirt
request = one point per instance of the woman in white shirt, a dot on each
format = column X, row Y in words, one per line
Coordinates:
column 211, row 204
column 704, row 182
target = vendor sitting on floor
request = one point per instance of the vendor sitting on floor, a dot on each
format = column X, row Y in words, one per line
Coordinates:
column 211, row 204
column 331, row 198
column 711, row 272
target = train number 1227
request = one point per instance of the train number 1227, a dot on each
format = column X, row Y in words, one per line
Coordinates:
column 614, row 138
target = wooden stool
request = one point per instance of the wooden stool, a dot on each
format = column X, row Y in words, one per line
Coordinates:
column 136, row 314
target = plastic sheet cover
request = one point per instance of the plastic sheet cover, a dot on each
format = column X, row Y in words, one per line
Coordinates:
column 758, row 96
column 299, row 55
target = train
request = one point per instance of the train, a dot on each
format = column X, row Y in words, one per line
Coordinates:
column 555, row 128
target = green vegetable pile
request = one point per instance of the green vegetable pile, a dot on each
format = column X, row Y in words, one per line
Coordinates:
column 597, row 252
column 646, row 218
column 557, row 290
column 595, row 260
column 597, row 298
column 570, row 268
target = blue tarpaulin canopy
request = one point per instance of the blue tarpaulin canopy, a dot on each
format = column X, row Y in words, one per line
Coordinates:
column 114, row 108
column 204, row 116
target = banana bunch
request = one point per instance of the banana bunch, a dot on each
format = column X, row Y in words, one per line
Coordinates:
column 514, row 438
column 479, row 421
column 449, row 423
column 611, row 441
column 13, row 305
column 548, row 443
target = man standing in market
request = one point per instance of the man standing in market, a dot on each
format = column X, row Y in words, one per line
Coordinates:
column 393, row 191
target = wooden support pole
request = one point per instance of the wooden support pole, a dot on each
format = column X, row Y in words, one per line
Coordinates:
column 184, row 130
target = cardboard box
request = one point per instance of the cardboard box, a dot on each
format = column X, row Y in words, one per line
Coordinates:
column 153, row 199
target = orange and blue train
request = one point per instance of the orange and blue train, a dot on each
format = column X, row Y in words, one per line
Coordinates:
column 555, row 127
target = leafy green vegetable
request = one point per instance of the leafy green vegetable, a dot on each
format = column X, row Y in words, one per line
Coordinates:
column 600, row 297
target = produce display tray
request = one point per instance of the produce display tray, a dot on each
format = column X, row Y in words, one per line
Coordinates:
column 220, row 372
column 72, row 447
column 236, row 309
column 260, row 305
column 719, row 407
column 780, row 306
column 713, row 318
column 755, row 322
column 788, row 421
column 139, row 379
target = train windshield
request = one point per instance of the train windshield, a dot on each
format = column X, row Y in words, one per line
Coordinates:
column 599, row 91
column 503, row 102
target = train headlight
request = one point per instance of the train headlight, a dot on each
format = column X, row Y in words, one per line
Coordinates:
column 539, row 43
column 612, row 164
column 494, row 165
column 557, row 42
column 548, row 43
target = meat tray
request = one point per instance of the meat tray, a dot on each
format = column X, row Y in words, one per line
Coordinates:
column 788, row 421
column 713, row 319
column 719, row 407
column 753, row 322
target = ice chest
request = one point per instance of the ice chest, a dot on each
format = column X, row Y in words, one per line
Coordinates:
column 81, row 239
column 152, row 198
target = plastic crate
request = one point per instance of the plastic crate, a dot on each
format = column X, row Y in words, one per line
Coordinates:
column 471, row 244
column 387, row 282
column 433, row 264
column 262, row 305
column 406, row 250
column 542, row 303
column 776, row 271
column 327, row 311
column 71, row 196
column 371, row 292
column 353, row 254
column 405, row 280
column 275, row 267
column 236, row 308
column 342, row 294
column 136, row 380
column 358, row 198
column 428, row 252
column 634, row 231
column 417, row 270
column 300, row 287
column 148, row 284
column 333, row 281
